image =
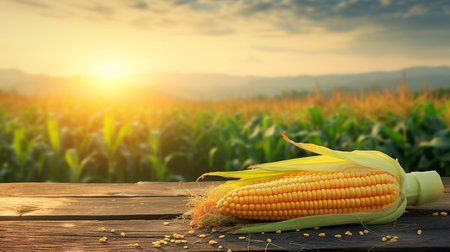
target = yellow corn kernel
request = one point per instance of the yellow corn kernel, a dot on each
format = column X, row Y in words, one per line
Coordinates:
column 388, row 236
column 166, row 236
column 316, row 227
column 351, row 192
column 278, row 231
column 101, row 240
column 361, row 233
column 202, row 236
column 444, row 213
column 262, row 233
column 155, row 246
column 183, row 241
column 269, row 240
column 165, row 242
column 185, row 247
column 338, row 236
column 366, row 231
column 166, row 239
column 102, row 229
column 229, row 250
column 419, row 231
column 180, row 236
column 435, row 214
column 394, row 239
column 113, row 230
column 191, row 232
column 297, row 230
column 172, row 241
column 220, row 247
column 192, row 223
column 178, row 241
column 213, row 230
column 122, row 234
column 241, row 238
column 348, row 233
column 221, row 236
column 166, row 223
column 322, row 235
column 384, row 239
column 137, row 245
column 306, row 235
column 212, row 242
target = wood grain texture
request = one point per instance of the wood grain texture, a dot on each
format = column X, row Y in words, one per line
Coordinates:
column 83, row 236
column 67, row 217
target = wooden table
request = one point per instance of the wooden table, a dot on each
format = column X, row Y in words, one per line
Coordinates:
column 68, row 217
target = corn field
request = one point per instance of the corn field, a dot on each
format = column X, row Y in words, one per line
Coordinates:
column 70, row 140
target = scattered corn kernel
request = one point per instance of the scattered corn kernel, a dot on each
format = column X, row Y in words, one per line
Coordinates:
column 316, row 227
column 192, row 223
column 278, row 231
column 172, row 241
column 393, row 240
column 166, row 239
column 180, row 236
column 262, row 232
column 202, row 236
column 191, row 232
column 220, row 247
column 185, row 247
column 122, row 234
column 229, row 250
column 137, row 245
column 435, row 214
column 322, row 234
column 101, row 240
column 183, row 241
column 388, row 237
column 361, row 233
column 213, row 230
column 338, row 236
column 166, row 223
column 366, row 231
column 384, row 239
column 348, row 233
column 212, row 242
column 178, row 242
column 102, row 228
column 297, row 230
column 395, row 237
column 419, row 231
column 221, row 236
column 269, row 240
column 113, row 230
column 166, row 236
column 241, row 237
column 444, row 213
column 166, row 243
column 155, row 246
column 306, row 235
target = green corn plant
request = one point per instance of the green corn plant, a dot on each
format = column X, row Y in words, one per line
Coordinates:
column 76, row 167
column 113, row 140
column 22, row 149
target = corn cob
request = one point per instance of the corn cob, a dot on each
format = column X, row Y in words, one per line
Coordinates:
column 334, row 188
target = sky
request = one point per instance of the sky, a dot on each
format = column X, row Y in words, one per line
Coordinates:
column 236, row 37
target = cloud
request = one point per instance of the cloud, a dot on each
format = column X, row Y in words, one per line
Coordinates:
column 32, row 3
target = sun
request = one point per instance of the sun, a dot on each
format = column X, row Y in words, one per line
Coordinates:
column 110, row 72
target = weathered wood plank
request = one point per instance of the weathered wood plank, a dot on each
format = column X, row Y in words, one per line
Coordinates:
column 141, row 189
column 84, row 235
column 91, row 208
column 127, row 201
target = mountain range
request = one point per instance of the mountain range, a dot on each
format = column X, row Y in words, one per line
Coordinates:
column 193, row 86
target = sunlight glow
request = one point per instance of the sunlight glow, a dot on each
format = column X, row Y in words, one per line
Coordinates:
column 110, row 72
